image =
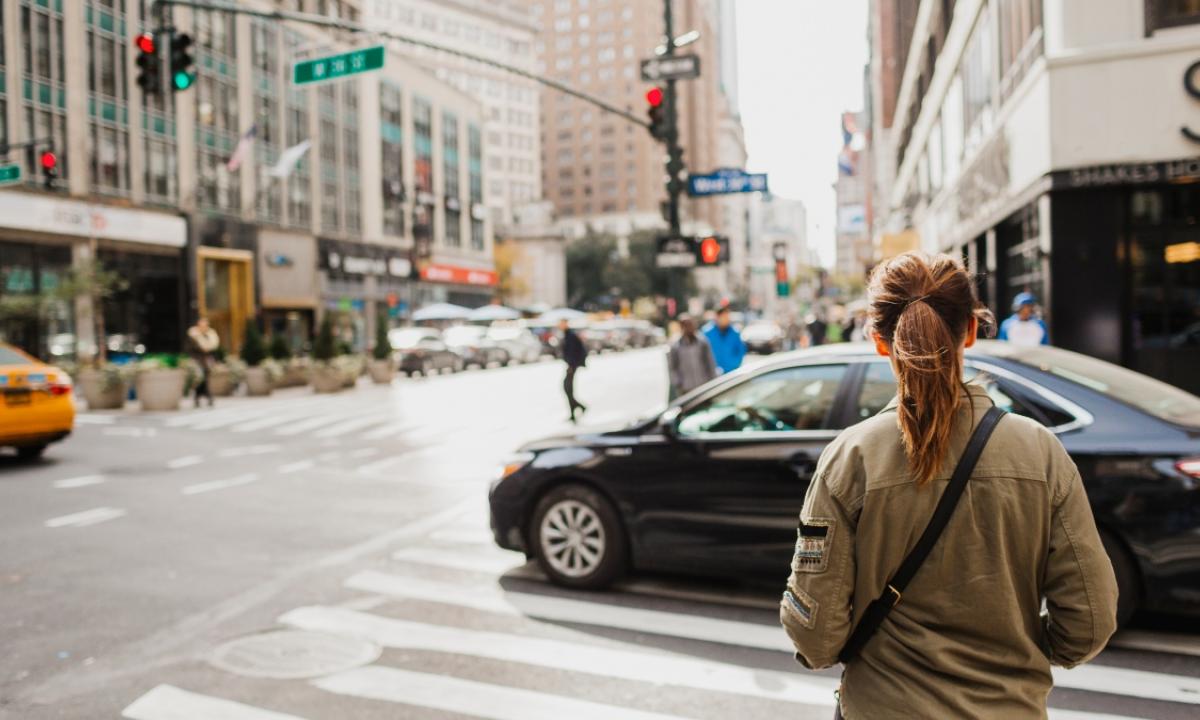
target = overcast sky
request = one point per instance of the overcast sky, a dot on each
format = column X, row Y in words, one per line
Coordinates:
column 800, row 65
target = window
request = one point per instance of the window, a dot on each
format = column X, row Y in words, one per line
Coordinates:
column 453, row 228
column 41, row 34
column 391, row 146
column 217, row 129
column 423, row 145
column 787, row 400
column 475, row 163
column 978, row 82
column 450, row 187
column 1020, row 23
column 1171, row 13
column 879, row 387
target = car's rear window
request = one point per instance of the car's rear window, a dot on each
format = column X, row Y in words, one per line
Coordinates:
column 8, row 356
column 1145, row 393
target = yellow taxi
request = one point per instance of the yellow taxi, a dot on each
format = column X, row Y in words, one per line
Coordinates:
column 36, row 404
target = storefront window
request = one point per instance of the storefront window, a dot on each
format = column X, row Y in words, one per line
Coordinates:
column 1024, row 261
column 32, row 317
column 147, row 312
column 1171, row 13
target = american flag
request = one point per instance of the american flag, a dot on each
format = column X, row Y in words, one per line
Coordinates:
column 243, row 147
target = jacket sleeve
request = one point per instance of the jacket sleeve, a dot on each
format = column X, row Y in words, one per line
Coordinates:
column 1080, row 587
column 816, row 608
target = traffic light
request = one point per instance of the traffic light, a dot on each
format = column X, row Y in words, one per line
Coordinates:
column 149, row 78
column 182, row 74
column 712, row 250
column 49, row 163
column 656, row 113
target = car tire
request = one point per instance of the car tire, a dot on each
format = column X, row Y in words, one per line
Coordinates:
column 569, row 522
column 1129, row 586
column 30, row 452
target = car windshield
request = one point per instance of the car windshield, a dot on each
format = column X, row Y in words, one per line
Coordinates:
column 8, row 356
column 1145, row 393
column 463, row 335
column 403, row 339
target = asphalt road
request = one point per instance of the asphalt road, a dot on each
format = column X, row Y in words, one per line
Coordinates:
column 328, row 557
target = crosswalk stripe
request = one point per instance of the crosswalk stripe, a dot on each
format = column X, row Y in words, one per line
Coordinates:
column 95, row 516
column 468, row 697
column 81, row 481
column 296, row 467
column 639, row 665
column 244, row 411
column 389, row 429
column 167, row 702
column 211, row 485
column 490, row 561
column 91, row 419
column 1130, row 683
column 315, row 422
column 243, row 451
column 349, row 426
column 185, row 461
column 272, row 420
column 491, row 599
column 464, row 536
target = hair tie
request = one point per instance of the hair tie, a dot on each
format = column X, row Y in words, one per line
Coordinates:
column 914, row 300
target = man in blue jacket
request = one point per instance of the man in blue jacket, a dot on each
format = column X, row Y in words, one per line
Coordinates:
column 726, row 342
column 1024, row 327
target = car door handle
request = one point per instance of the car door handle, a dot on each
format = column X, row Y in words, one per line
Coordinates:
column 803, row 463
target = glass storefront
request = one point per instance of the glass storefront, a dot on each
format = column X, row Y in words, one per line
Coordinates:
column 148, row 313
column 32, row 315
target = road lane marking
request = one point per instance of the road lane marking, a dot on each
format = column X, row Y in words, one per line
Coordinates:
column 562, row 609
column 76, row 482
column 348, row 426
column 296, row 467
column 130, row 431
column 315, row 422
column 364, row 453
column 468, row 697
column 89, row 419
column 464, row 536
column 494, row 561
column 249, row 450
column 185, row 461
column 389, row 429
column 212, row 485
column 94, row 516
column 167, row 702
column 573, row 656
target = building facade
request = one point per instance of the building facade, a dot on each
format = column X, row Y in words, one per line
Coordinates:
column 1052, row 145
column 384, row 211
column 501, row 31
column 855, row 253
column 778, row 231
column 538, row 257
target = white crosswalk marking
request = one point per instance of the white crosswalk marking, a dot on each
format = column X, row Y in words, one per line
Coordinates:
column 574, row 656
column 1131, row 683
column 315, row 422
column 81, row 481
column 396, row 427
column 185, row 461
column 212, row 485
column 489, row 599
column 492, row 561
column 94, row 516
column 349, row 426
column 167, row 702
column 468, row 697
column 94, row 419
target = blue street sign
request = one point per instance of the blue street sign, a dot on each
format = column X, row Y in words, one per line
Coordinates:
column 726, row 181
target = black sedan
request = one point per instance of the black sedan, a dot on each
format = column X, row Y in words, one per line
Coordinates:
column 714, row 484
column 421, row 350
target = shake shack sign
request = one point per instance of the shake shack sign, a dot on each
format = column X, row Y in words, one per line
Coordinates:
column 1129, row 174
column 347, row 259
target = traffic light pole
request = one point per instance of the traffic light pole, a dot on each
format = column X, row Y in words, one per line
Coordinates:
column 674, row 156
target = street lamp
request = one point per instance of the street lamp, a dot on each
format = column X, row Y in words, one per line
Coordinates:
column 687, row 38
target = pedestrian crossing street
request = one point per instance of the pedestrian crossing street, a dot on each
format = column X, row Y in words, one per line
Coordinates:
column 464, row 629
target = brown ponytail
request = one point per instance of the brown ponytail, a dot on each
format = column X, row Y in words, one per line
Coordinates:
column 921, row 306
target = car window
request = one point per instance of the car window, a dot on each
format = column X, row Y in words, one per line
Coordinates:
column 8, row 356
column 429, row 342
column 792, row 399
column 407, row 337
column 879, row 387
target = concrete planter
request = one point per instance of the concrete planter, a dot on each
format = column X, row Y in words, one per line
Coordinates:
column 294, row 375
column 220, row 381
column 160, row 389
column 326, row 379
column 258, row 382
column 92, row 386
column 382, row 372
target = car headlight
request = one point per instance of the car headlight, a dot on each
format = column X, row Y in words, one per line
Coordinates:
column 512, row 464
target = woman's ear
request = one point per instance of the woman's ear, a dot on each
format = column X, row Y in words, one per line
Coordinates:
column 972, row 331
column 881, row 347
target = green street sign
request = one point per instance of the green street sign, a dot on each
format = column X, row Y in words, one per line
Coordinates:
column 337, row 66
column 10, row 174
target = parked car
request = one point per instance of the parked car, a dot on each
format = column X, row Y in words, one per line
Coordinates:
column 421, row 350
column 657, row 494
column 520, row 343
column 547, row 334
column 38, row 407
column 763, row 337
column 472, row 344
column 610, row 334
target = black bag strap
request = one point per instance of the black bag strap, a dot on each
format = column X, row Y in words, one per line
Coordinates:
column 879, row 608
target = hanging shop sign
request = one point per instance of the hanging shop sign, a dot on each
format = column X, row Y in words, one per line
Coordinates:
column 459, row 275
column 349, row 259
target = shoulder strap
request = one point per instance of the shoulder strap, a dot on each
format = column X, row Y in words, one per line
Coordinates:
column 879, row 608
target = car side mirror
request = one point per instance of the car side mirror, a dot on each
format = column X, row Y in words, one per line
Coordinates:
column 668, row 423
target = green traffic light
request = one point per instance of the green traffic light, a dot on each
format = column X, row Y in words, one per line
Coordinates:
column 183, row 80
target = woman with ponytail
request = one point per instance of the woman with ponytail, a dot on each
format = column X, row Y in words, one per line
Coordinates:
column 965, row 635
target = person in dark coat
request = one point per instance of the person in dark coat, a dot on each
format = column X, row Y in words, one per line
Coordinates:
column 574, row 354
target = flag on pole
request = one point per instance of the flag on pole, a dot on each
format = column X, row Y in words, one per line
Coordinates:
column 243, row 147
column 289, row 158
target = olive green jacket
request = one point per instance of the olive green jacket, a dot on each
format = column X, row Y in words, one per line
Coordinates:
column 968, row 638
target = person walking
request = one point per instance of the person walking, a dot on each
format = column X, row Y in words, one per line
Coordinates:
column 728, row 349
column 1024, row 327
column 574, row 354
column 202, row 344
column 962, row 634
column 816, row 330
column 690, row 361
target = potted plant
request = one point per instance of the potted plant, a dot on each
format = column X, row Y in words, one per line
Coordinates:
column 105, row 385
column 325, row 376
column 258, row 378
column 383, row 366
column 290, row 373
column 161, row 383
column 223, row 375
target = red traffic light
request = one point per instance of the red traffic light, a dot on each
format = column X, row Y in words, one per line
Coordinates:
column 145, row 43
column 49, row 161
column 710, row 250
column 654, row 96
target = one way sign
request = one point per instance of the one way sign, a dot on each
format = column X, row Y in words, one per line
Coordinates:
column 671, row 67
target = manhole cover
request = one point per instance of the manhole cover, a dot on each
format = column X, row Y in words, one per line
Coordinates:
column 293, row 654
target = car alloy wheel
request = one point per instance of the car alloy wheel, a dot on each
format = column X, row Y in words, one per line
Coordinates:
column 579, row 539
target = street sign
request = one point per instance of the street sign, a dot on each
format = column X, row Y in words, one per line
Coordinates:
column 10, row 174
column 671, row 67
column 726, row 181
column 675, row 252
column 333, row 67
